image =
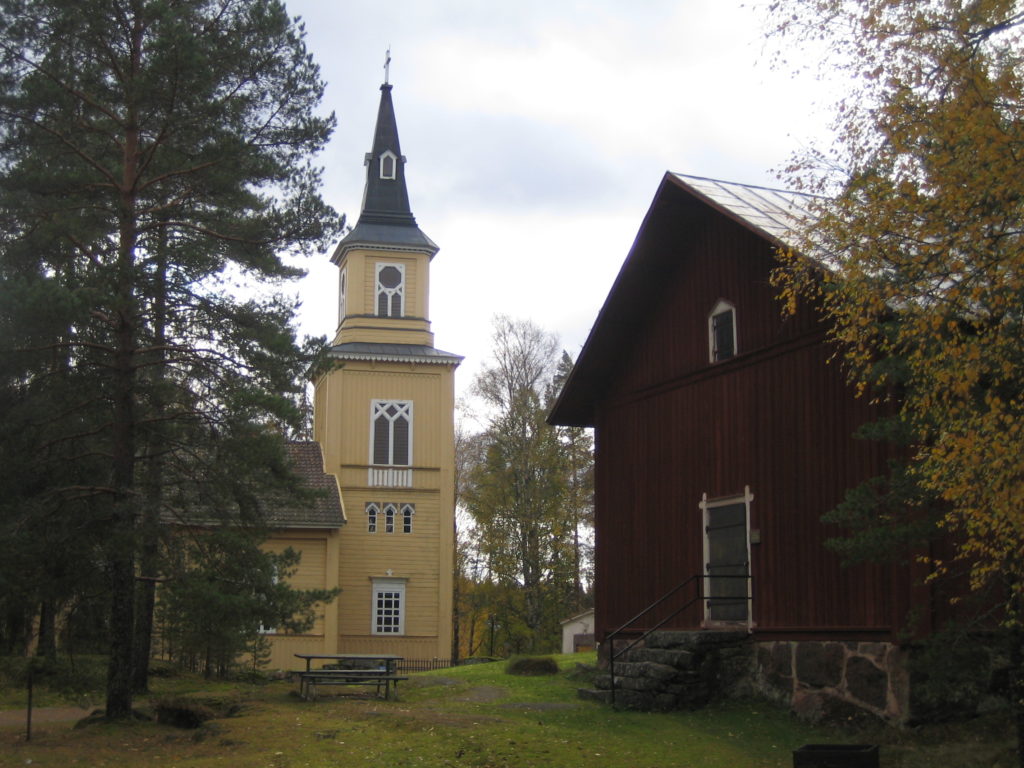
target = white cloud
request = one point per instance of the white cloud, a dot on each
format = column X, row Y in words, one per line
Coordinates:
column 537, row 133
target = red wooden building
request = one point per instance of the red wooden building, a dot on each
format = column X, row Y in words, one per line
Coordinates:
column 722, row 434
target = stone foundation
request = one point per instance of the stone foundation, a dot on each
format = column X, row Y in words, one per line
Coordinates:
column 833, row 680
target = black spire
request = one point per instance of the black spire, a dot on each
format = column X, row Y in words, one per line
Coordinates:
column 386, row 218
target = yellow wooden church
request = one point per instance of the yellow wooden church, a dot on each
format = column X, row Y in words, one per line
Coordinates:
column 383, row 428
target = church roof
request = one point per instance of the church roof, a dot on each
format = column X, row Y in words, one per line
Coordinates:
column 322, row 508
column 314, row 501
column 393, row 353
column 386, row 219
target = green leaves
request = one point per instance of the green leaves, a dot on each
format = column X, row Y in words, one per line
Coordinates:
column 528, row 490
column 157, row 160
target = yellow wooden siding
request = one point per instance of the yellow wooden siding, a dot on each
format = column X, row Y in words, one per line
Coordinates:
column 284, row 647
column 342, row 425
column 413, row 557
column 311, row 571
column 348, row 394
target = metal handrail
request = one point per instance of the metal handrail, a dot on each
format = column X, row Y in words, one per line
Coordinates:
column 699, row 579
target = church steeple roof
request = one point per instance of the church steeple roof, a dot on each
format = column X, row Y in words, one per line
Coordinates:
column 386, row 219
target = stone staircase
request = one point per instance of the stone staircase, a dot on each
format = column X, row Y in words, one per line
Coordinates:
column 674, row 670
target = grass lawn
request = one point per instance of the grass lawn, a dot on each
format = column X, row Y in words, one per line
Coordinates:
column 481, row 717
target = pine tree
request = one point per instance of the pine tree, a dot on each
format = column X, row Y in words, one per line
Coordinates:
column 155, row 159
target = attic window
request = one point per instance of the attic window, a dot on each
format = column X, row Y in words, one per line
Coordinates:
column 722, row 332
column 388, row 165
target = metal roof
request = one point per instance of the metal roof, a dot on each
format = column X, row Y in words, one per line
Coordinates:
column 777, row 213
column 393, row 353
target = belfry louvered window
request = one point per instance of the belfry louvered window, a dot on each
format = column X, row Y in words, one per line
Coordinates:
column 392, row 432
column 390, row 290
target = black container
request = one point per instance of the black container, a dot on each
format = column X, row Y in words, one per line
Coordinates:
column 836, row 756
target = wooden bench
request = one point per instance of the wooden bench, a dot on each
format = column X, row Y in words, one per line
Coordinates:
column 309, row 680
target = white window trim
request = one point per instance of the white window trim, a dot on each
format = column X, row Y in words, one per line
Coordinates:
column 400, row 290
column 389, row 155
column 390, row 513
column 372, row 517
column 387, row 585
column 721, row 307
column 705, row 505
column 408, row 512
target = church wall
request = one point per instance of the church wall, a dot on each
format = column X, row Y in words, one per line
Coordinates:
column 344, row 426
column 423, row 557
column 317, row 569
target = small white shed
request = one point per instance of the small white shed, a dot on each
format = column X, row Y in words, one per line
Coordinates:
column 578, row 632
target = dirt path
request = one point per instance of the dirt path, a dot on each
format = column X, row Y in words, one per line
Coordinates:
column 16, row 717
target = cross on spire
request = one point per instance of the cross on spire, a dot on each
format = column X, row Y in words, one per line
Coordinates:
column 387, row 65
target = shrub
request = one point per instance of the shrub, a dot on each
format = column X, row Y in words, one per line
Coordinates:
column 532, row 665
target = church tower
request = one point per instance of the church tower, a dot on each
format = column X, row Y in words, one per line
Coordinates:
column 384, row 417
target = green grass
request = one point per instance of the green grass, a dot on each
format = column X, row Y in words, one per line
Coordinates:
column 476, row 716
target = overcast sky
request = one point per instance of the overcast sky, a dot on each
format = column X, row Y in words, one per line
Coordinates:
column 537, row 132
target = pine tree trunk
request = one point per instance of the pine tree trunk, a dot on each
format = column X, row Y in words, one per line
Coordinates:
column 121, row 560
column 149, row 561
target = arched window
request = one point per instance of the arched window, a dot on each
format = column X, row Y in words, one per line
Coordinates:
column 408, row 510
column 391, row 432
column 722, row 332
column 372, row 510
column 389, row 518
column 388, row 165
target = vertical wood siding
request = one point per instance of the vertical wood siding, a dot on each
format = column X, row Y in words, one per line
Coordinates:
column 778, row 418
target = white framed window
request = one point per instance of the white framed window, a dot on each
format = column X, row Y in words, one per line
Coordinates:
column 408, row 510
column 727, row 585
column 391, row 432
column 389, row 518
column 372, row 512
column 722, row 332
column 389, row 165
column 390, row 289
column 342, row 293
column 388, row 610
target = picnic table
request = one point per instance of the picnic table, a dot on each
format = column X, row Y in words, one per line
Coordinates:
column 377, row 669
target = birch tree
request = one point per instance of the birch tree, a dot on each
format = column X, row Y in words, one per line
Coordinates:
column 916, row 254
column 519, row 491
